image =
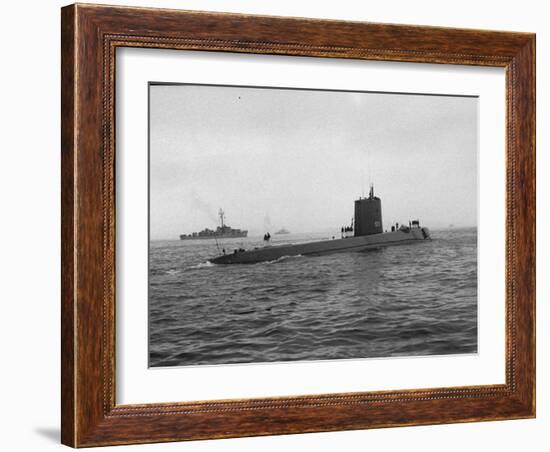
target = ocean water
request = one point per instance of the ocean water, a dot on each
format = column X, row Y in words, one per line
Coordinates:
column 407, row 300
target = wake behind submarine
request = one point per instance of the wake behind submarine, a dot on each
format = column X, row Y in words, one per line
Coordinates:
column 367, row 233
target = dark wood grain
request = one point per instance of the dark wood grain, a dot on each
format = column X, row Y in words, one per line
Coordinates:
column 90, row 36
column 68, row 298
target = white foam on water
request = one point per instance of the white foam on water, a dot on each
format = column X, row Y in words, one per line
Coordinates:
column 173, row 271
column 202, row 265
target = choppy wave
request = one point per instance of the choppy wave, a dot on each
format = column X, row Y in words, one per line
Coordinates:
column 206, row 264
column 408, row 300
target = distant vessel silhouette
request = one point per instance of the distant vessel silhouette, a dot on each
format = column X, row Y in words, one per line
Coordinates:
column 222, row 232
column 282, row 231
column 367, row 234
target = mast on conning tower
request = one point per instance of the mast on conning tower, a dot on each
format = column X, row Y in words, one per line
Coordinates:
column 221, row 214
column 371, row 192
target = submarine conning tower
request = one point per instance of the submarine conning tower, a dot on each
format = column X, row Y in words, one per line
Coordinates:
column 368, row 215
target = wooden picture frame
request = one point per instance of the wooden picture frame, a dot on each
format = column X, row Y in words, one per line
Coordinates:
column 90, row 35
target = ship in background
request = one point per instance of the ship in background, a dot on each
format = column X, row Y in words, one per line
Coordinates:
column 282, row 231
column 367, row 234
column 222, row 232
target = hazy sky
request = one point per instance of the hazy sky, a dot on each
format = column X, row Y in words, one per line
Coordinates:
column 299, row 158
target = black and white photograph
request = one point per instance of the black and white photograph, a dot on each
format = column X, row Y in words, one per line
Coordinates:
column 275, row 226
column 299, row 224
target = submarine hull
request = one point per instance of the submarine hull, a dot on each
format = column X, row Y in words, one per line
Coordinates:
column 271, row 253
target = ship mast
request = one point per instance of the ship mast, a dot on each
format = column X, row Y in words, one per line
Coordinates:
column 221, row 214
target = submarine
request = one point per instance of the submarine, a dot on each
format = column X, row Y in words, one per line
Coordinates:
column 365, row 233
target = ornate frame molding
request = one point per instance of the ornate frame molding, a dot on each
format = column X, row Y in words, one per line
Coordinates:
column 90, row 37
